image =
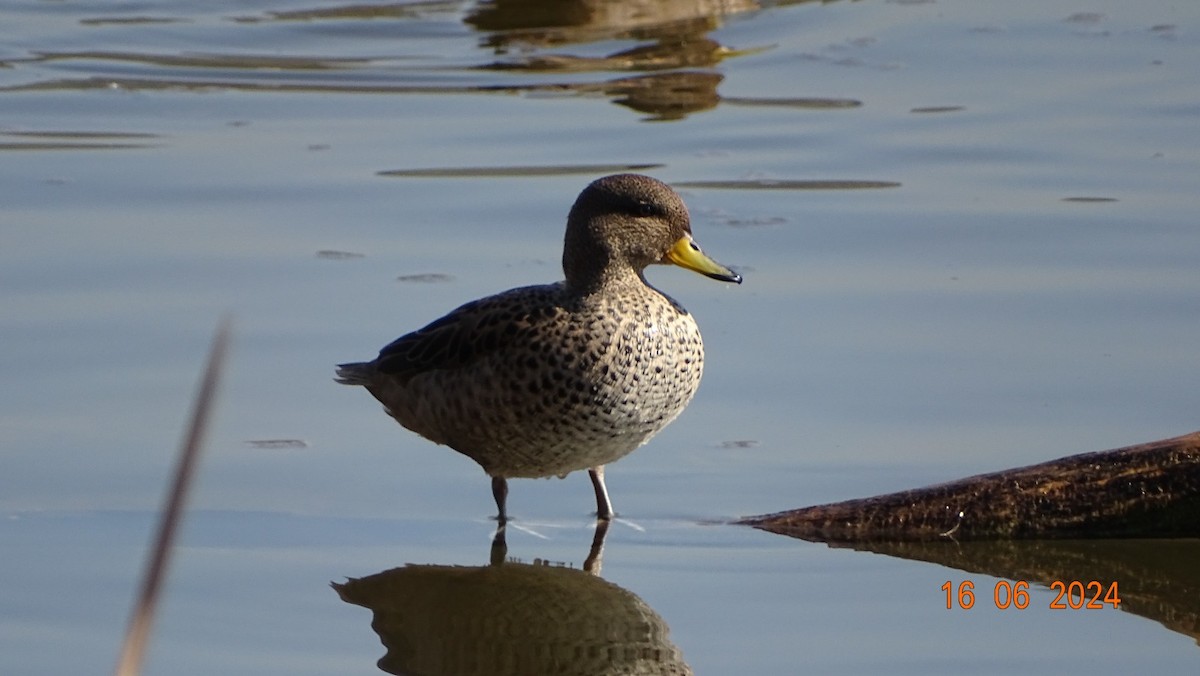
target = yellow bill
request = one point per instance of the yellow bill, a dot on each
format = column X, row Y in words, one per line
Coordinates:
column 687, row 254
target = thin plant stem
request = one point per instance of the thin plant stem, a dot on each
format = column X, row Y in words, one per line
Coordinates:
column 133, row 650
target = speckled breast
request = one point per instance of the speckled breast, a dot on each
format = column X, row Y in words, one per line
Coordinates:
column 600, row 383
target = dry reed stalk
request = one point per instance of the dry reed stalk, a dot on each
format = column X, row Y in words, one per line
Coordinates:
column 133, row 650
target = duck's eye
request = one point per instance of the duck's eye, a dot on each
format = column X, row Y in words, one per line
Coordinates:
column 645, row 209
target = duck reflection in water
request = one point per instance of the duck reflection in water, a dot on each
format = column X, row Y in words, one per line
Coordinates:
column 513, row 618
column 674, row 58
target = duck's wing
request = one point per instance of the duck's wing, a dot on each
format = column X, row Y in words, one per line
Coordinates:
column 472, row 331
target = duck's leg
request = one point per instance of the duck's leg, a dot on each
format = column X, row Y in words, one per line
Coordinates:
column 603, row 506
column 499, row 546
column 594, row 559
column 500, row 492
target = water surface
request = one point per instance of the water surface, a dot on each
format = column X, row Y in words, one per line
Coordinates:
column 967, row 230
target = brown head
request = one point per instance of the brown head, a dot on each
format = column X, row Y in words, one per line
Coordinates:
column 622, row 223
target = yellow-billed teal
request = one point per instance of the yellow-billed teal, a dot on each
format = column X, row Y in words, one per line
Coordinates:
column 544, row 380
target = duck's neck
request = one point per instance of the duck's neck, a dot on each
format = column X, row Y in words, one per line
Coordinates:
column 606, row 280
column 590, row 265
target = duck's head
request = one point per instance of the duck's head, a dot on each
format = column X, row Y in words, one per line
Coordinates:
column 622, row 223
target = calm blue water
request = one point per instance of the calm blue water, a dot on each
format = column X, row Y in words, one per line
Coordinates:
column 1027, row 291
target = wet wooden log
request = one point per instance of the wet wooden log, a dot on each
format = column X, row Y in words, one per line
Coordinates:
column 1149, row 490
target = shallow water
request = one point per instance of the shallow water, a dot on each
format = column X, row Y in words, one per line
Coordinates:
column 967, row 230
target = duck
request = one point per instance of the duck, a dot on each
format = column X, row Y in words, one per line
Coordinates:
column 545, row 380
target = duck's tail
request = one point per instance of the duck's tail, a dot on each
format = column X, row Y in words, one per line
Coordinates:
column 356, row 373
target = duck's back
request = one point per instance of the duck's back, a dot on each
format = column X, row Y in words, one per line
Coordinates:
column 538, row 382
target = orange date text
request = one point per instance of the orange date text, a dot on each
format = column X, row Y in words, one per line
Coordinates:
column 1068, row 595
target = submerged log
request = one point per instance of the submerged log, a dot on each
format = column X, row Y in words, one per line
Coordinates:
column 1149, row 490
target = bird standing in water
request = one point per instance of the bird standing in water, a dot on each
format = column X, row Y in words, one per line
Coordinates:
column 544, row 380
